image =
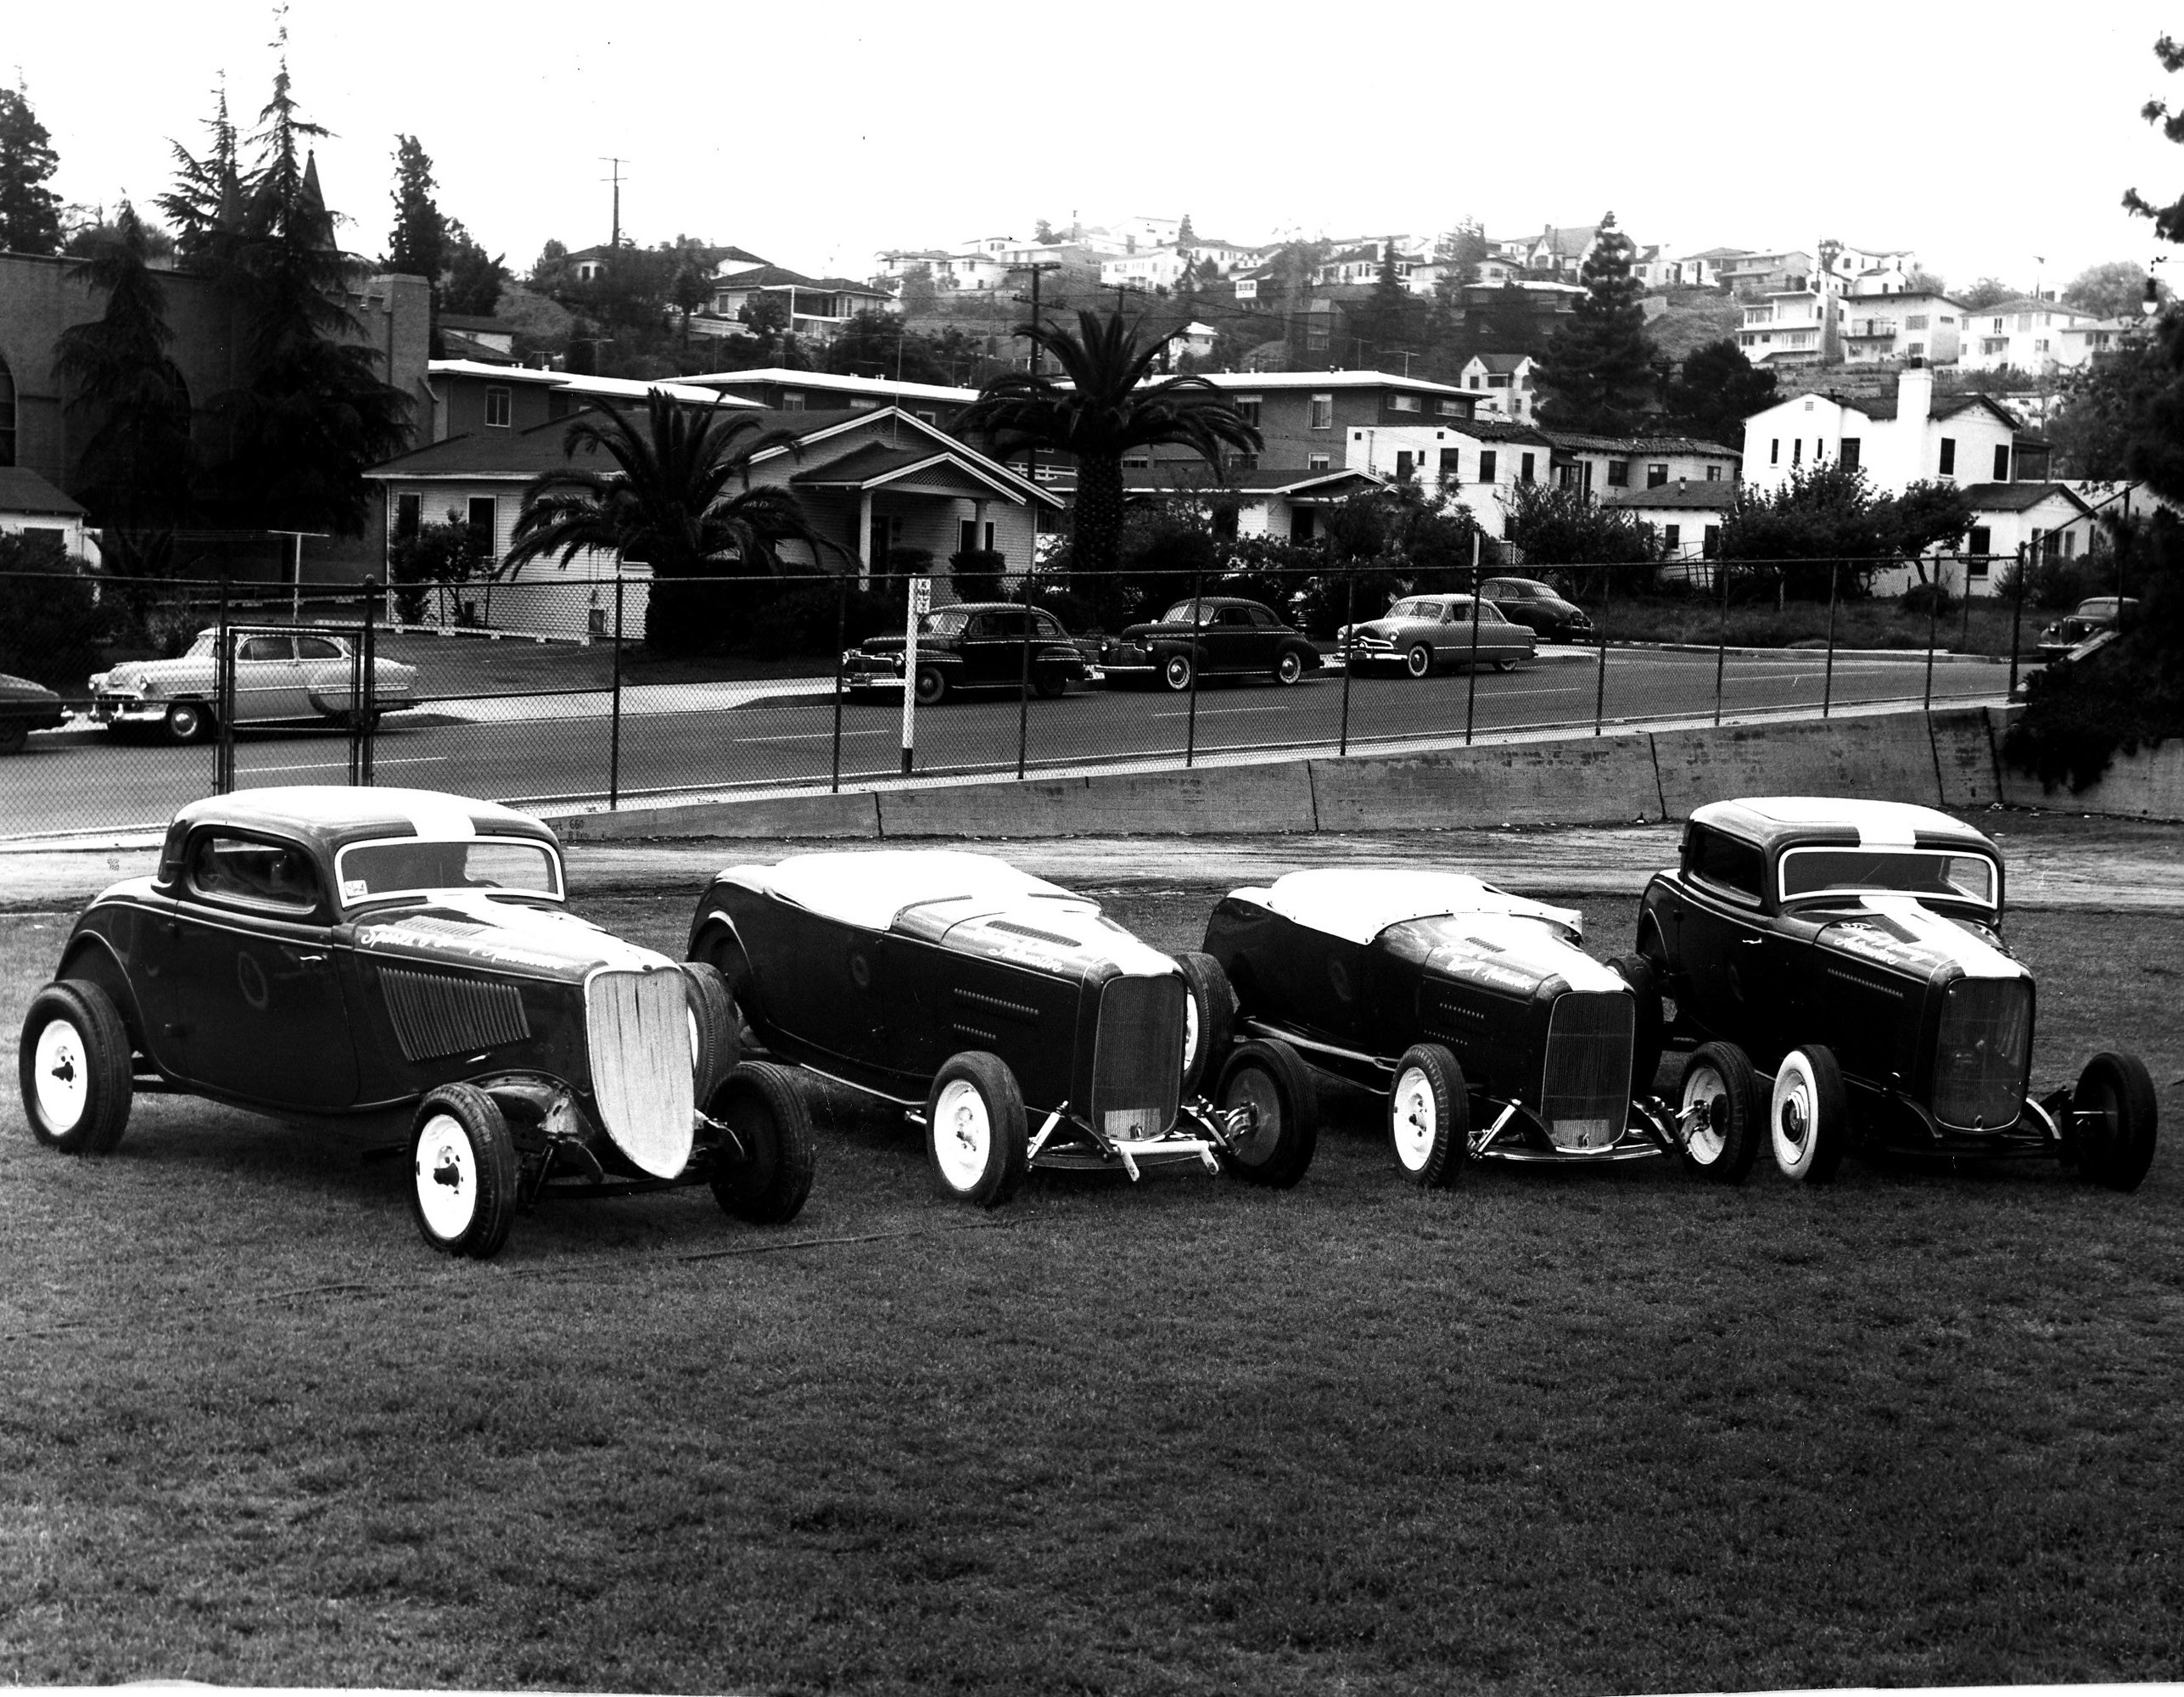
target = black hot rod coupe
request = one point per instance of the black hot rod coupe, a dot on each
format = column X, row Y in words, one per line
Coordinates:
column 1492, row 1034
column 1854, row 951
column 1007, row 1017
column 368, row 955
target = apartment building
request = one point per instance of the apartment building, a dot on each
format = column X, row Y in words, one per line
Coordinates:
column 1917, row 325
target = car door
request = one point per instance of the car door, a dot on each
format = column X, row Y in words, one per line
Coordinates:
column 1228, row 640
column 258, row 1010
column 268, row 678
column 1267, row 633
column 328, row 673
column 990, row 644
column 1722, row 938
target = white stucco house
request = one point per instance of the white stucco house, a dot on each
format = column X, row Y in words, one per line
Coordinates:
column 30, row 506
column 1898, row 440
column 1877, row 328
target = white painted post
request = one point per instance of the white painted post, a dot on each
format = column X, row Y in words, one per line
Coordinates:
column 864, row 539
column 920, row 603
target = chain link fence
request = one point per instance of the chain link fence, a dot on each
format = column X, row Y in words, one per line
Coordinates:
column 605, row 693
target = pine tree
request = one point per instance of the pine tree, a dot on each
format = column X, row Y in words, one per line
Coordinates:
column 1185, row 235
column 30, row 212
column 1599, row 371
column 418, row 243
column 1385, row 319
column 205, row 194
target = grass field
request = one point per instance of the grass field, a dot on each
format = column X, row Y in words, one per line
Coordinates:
column 1599, row 1432
column 1985, row 629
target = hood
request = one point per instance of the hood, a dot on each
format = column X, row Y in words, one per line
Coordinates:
column 474, row 929
column 130, row 674
column 1903, row 933
column 22, row 689
column 1513, row 953
column 893, row 645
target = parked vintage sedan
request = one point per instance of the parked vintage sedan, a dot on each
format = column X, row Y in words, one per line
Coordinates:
column 2090, row 619
column 1007, row 1017
column 974, row 645
column 281, row 677
column 26, row 707
column 1528, row 601
column 1421, row 633
column 1475, row 1012
column 404, row 958
column 1216, row 636
column 1853, row 949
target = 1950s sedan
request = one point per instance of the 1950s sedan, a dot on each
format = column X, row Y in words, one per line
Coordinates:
column 1217, row 635
column 1492, row 1034
column 1008, row 1018
column 978, row 644
column 1423, row 632
column 279, row 677
column 389, row 956
column 1854, row 951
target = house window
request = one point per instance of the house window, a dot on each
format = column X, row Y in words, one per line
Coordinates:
column 2002, row 462
column 409, row 512
column 1619, row 474
column 1451, row 409
column 1524, row 469
column 1451, row 464
column 1247, row 407
column 485, row 518
column 1774, row 451
column 1486, row 458
column 1671, row 537
column 1713, row 474
column 1797, row 451
column 1474, row 382
column 1323, row 411
column 1948, row 456
column 927, row 418
column 1852, row 446
column 496, row 407
column 1916, row 322
column 2040, row 346
column 1319, row 462
column 1497, row 383
column 1710, row 544
column 792, row 400
column 2070, row 545
column 1982, row 539
column 1655, row 475
column 1139, row 463
column 1405, row 403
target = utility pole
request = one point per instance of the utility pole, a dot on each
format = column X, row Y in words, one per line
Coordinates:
column 1037, row 266
column 615, row 240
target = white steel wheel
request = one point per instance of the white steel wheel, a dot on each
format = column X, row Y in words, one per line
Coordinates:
column 76, row 1068
column 1414, row 1119
column 1808, row 1116
column 1429, row 1115
column 445, row 1173
column 463, row 1173
column 962, row 1135
column 1703, row 1083
column 61, row 1076
column 975, row 1131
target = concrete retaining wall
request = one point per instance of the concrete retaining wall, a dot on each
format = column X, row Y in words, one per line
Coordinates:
column 1882, row 756
column 1587, row 781
column 1211, row 801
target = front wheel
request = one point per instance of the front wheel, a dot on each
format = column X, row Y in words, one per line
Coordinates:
column 976, row 1132
column 1209, row 1011
column 1429, row 1115
column 1290, row 667
column 463, row 1173
column 187, row 721
column 1638, row 972
column 1419, row 661
column 76, row 1068
column 15, row 736
column 931, row 686
column 713, row 1048
column 767, row 1182
column 2114, row 1121
column 1270, row 1085
column 1050, row 686
column 1719, row 1126
column 1503, row 663
column 1176, row 673
column 1809, row 1116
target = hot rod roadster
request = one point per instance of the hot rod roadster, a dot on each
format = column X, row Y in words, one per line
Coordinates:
column 1492, row 1034
column 389, row 955
column 1006, row 1016
column 1854, row 951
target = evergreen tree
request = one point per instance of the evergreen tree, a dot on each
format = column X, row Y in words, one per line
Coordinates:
column 30, row 212
column 475, row 277
column 417, row 244
column 1185, row 235
column 1717, row 390
column 205, row 190
column 1599, row 371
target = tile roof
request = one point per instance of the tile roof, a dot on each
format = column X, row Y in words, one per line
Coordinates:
column 1194, row 476
column 23, row 490
column 1495, row 430
column 1689, row 497
column 1578, row 442
column 499, row 455
column 2017, row 497
column 1503, row 364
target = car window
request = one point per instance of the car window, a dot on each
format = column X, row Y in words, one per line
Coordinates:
column 1262, row 618
column 1414, row 607
column 982, row 624
column 319, row 649
column 275, row 874
column 267, row 648
column 1233, row 617
column 1906, row 872
column 948, row 622
column 1180, row 613
column 1723, row 861
column 410, row 865
column 206, row 646
column 1044, row 626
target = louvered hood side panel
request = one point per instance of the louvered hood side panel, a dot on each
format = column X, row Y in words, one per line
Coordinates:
column 437, row 1014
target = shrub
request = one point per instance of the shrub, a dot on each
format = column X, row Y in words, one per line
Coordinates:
column 53, row 622
column 1926, row 601
column 976, row 573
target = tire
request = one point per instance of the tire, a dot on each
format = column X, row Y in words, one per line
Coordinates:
column 1050, row 686
column 1647, row 1034
column 722, row 951
column 1176, row 672
column 77, row 1068
column 2116, row 1148
column 1268, row 1076
column 931, row 686
column 761, row 1103
column 1809, row 1115
column 187, row 721
column 1418, row 661
column 714, row 1048
column 1430, row 1116
column 1289, row 668
column 1211, row 1013
column 976, row 1135
column 1503, row 663
column 463, row 1173
column 14, row 737
column 1723, row 1147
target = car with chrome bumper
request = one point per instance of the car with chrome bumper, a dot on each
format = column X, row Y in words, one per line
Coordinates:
column 1852, row 951
column 1007, row 1017
column 2095, row 616
column 1476, row 1013
column 1422, row 633
column 26, row 707
column 976, row 645
column 1527, row 600
column 405, row 958
column 278, row 677
column 1217, row 635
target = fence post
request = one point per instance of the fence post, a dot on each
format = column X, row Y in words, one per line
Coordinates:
column 1933, row 632
column 2017, row 619
column 1600, row 685
column 1471, row 671
column 1197, row 624
column 1964, row 634
column 1023, row 698
column 1722, row 643
column 841, row 647
column 1828, row 686
column 223, row 702
column 614, row 711
column 1349, row 646
column 365, row 697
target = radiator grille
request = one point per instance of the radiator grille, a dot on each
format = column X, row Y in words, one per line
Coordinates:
column 1585, row 1092
column 637, row 1028
column 1980, row 1061
column 1137, row 1060
column 438, row 1013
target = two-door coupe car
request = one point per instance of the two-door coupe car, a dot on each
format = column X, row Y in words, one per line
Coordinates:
column 281, row 677
column 1422, row 633
column 1490, row 1030
column 391, row 956
column 1527, row 600
column 1008, row 1018
column 2091, row 617
column 26, row 707
column 977, row 645
column 1853, row 949
column 1217, row 635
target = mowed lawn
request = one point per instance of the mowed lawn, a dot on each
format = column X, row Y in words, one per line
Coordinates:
column 1610, row 1430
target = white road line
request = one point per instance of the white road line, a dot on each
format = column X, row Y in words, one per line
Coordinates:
column 378, row 760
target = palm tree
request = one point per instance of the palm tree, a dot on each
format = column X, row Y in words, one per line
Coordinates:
column 666, row 502
column 1098, row 409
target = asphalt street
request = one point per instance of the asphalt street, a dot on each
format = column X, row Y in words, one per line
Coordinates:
column 560, row 747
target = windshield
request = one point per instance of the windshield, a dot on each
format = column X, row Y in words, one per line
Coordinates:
column 1414, row 609
column 1902, row 871
column 202, row 649
column 948, row 622
column 410, row 865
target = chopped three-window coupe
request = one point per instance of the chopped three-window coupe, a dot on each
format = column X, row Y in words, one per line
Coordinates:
column 1008, row 1016
column 1492, row 1034
column 403, row 957
column 1854, row 951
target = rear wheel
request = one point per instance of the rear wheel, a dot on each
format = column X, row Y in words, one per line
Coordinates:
column 1209, row 1013
column 1503, row 663
column 768, row 1182
column 1176, row 672
column 187, row 721
column 1722, row 1139
column 1418, row 660
column 463, row 1173
column 1809, row 1116
column 2115, row 1121
column 931, row 686
column 76, row 1068
column 1273, row 1144
column 15, row 736
column 1290, row 667
column 976, row 1134
column 720, row 950
column 1638, row 972
column 1429, row 1115
column 1047, row 685
column 713, row 1045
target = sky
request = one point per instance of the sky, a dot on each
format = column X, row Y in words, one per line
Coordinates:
column 1992, row 140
